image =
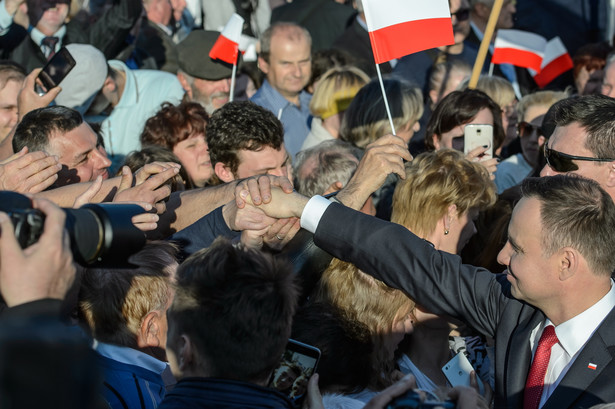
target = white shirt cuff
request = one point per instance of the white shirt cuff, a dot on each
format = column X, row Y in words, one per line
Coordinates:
column 312, row 213
column 5, row 18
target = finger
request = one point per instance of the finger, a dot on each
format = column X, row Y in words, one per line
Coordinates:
column 255, row 191
column 125, row 180
column 51, row 95
column 283, row 183
column 8, row 241
column 476, row 152
column 314, row 398
column 15, row 156
column 36, row 162
column 397, row 389
column 145, row 221
column 87, row 196
column 55, row 219
column 160, row 179
column 264, row 185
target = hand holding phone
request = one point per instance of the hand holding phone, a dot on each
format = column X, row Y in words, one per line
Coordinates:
column 478, row 135
column 56, row 69
column 298, row 363
column 457, row 371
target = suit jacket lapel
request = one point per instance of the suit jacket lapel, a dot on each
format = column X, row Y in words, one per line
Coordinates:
column 580, row 375
column 520, row 359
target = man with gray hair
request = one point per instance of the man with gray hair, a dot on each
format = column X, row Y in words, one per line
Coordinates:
column 286, row 59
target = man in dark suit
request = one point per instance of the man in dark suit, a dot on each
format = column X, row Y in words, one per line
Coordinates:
column 559, row 257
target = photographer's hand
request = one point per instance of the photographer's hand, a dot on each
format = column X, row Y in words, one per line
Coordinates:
column 386, row 396
column 43, row 270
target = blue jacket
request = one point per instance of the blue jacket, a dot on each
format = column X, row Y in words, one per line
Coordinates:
column 220, row 393
column 129, row 386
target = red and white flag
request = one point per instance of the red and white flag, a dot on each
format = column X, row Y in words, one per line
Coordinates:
column 226, row 47
column 401, row 27
column 555, row 62
column 519, row 48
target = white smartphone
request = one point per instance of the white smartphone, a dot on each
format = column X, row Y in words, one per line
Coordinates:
column 457, row 370
column 475, row 135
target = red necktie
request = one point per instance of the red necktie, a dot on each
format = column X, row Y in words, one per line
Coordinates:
column 536, row 379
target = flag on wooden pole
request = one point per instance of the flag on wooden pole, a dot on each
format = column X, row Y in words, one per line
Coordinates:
column 519, row 48
column 555, row 62
column 401, row 27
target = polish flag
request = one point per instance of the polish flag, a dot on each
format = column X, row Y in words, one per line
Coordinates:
column 555, row 62
column 226, row 47
column 401, row 27
column 519, row 48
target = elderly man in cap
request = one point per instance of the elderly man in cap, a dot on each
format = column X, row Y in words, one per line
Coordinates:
column 205, row 81
column 118, row 98
column 49, row 31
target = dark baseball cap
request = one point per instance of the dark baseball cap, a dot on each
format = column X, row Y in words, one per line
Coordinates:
column 194, row 60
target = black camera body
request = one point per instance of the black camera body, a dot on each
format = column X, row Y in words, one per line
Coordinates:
column 412, row 400
column 100, row 234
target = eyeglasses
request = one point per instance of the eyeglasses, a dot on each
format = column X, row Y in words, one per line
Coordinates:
column 526, row 129
column 562, row 162
column 462, row 14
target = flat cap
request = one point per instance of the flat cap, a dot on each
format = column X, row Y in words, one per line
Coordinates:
column 193, row 55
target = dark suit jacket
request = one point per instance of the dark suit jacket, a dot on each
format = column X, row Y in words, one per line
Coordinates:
column 108, row 34
column 441, row 283
column 158, row 44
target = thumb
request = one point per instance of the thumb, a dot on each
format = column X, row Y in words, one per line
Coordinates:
column 126, row 181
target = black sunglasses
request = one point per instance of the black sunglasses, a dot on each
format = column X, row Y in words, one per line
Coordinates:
column 462, row 14
column 526, row 129
column 562, row 162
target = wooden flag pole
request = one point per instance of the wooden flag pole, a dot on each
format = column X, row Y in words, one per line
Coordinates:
column 386, row 101
column 484, row 45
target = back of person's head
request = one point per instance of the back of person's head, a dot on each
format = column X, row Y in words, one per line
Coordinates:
column 459, row 108
column 360, row 297
column 11, row 71
column 575, row 212
column 324, row 60
column 539, row 98
column 499, row 89
column 174, row 123
column 335, row 91
column 241, row 125
column 235, row 307
column 445, row 77
column 366, row 118
column 154, row 153
column 39, row 125
column 292, row 31
column 592, row 56
column 345, row 347
column 436, row 180
column 319, row 167
column 596, row 115
column 116, row 302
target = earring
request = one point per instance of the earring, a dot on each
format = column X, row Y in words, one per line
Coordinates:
column 445, row 232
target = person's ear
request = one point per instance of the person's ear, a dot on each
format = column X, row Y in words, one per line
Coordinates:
column 109, row 85
column 568, row 263
column 436, row 141
column 263, row 65
column 150, row 330
column 610, row 181
column 223, row 172
column 450, row 216
column 184, row 83
column 185, row 353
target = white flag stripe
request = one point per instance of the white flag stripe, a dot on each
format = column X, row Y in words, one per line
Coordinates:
column 383, row 13
column 232, row 30
column 521, row 40
column 554, row 49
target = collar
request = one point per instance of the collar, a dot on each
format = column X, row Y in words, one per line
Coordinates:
column 477, row 31
column 168, row 31
column 37, row 36
column 131, row 356
column 130, row 96
column 362, row 22
column 279, row 103
column 575, row 332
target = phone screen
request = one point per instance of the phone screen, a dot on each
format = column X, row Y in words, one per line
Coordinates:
column 297, row 365
column 56, row 69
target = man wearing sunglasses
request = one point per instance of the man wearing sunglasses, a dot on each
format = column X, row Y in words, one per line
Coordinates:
column 584, row 140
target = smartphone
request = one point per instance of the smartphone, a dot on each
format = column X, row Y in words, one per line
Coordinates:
column 54, row 71
column 475, row 135
column 457, row 371
column 298, row 363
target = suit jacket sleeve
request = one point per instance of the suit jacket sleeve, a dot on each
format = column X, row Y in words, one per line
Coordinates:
column 434, row 279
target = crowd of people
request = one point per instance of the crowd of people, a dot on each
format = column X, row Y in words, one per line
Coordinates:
column 282, row 199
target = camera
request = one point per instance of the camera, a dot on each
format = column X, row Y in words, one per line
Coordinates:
column 412, row 400
column 100, row 234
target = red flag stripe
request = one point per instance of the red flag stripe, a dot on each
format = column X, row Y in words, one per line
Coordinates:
column 406, row 38
column 553, row 70
column 519, row 58
column 225, row 50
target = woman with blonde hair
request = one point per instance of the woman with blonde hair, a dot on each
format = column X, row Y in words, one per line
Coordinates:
column 441, row 196
column 332, row 96
column 383, row 310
